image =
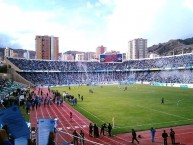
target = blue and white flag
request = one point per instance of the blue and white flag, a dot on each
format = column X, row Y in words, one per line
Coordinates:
column 13, row 118
column 45, row 126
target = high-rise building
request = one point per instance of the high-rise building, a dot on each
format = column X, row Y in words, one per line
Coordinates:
column 66, row 57
column 89, row 55
column 8, row 52
column 47, row 47
column 137, row 49
column 26, row 55
column 100, row 50
column 79, row 57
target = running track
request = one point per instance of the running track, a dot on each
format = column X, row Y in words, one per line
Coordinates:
column 184, row 134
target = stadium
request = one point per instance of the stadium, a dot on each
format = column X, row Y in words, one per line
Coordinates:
column 126, row 94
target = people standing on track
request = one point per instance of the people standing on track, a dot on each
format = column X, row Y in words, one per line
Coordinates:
column 36, row 101
column 70, row 116
column 109, row 129
column 172, row 135
column 153, row 131
column 51, row 138
column 165, row 136
column 103, row 129
column 45, row 101
column 75, row 137
column 90, row 129
column 81, row 137
column 28, row 105
column 134, row 136
column 96, row 131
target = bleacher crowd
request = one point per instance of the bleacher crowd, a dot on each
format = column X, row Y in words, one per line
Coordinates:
column 171, row 69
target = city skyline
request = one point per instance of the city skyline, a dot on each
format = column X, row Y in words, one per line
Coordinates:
column 86, row 24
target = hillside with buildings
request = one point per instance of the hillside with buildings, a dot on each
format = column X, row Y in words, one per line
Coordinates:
column 172, row 47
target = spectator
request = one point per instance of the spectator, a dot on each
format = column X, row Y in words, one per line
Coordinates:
column 153, row 131
column 134, row 136
column 51, row 139
column 75, row 137
column 165, row 136
column 4, row 138
column 172, row 136
column 109, row 129
column 81, row 137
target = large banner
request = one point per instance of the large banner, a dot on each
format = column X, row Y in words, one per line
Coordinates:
column 45, row 126
column 108, row 58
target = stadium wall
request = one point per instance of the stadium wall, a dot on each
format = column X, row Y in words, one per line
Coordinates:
column 132, row 83
column 167, row 84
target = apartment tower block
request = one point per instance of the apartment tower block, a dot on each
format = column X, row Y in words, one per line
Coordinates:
column 47, row 47
column 137, row 49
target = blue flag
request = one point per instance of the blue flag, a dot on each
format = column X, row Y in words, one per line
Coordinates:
column 13, row 118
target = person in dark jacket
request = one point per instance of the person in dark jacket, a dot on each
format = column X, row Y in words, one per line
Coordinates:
column 134, row 136
column 172, row 136
column 165, row 136
column 109, row 129
column 75, row 137
column 90, row 129
column 51, row 139
column 96, row 131
column 103, row 129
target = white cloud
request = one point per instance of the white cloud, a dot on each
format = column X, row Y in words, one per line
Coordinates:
column 89, row 5
column 23, row 26
column 111, row 23
column 130, row 20
column 107, row 2
column 188, row 4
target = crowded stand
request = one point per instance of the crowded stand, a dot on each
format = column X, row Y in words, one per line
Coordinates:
column 3, row 83
column 7, row 87
column 73, row 66
column 177, row 76
column 170, row 69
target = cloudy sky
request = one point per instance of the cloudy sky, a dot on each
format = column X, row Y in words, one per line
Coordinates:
column 84, row 25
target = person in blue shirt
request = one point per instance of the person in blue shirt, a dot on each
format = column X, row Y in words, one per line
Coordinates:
column 152, row 134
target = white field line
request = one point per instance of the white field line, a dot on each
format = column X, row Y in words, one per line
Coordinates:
column 185, row 119
column 151, row 124
column 92, row 114
column 169, row 114
column 103, row 121
column 77, row 115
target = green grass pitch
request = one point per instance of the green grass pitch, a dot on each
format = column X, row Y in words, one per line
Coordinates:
column 138, row 107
